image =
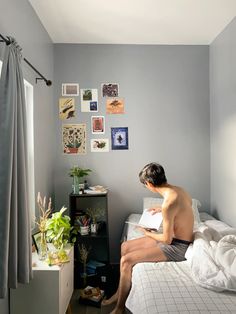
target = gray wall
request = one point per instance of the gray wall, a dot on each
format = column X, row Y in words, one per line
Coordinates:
column 166, row 91
column 19, row 20
column 223, row 124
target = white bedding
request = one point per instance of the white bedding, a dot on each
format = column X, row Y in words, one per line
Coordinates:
column 213, row 260
column 170, row 288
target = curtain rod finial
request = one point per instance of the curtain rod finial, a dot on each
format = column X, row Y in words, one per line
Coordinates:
column 48, row 83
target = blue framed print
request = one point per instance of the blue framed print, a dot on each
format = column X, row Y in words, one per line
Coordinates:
column 119, row 138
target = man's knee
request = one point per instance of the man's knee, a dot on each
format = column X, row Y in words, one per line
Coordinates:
column 124, row 248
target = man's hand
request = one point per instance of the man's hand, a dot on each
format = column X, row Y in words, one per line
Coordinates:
column 145, row 230
column 155, row 210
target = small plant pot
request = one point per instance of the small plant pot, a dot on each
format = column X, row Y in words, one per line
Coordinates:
column 84, row 230
column 94, row 228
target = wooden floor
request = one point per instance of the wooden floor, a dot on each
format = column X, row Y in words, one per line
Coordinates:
column 77, row 308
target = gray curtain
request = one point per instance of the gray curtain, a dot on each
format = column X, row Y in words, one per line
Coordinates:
column 15, row 233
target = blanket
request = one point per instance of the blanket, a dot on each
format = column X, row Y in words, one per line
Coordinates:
column 213, row 260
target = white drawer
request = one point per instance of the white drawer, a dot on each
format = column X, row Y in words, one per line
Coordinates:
column 66, row 283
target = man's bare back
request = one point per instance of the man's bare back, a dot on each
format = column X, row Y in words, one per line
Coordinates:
column 180, row 204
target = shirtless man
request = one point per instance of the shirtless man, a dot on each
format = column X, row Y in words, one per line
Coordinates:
column 170, row 245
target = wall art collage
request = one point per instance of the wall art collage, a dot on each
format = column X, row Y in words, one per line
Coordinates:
column 74, row 135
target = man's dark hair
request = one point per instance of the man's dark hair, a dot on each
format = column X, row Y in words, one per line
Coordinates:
column 153, row 173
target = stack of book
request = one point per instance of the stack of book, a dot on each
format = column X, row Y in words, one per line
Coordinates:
column 91, row 296
column 92, row 266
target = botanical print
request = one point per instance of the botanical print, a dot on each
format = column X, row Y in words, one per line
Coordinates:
column 89, row 100
column 66, row 108
column 74, row 138
column 119, row 138
column 98, row 124
column 110, row 90
column 115, row 105
column 70, row 89
column 100, row 145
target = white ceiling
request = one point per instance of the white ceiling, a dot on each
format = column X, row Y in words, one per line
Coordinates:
column 134, row 21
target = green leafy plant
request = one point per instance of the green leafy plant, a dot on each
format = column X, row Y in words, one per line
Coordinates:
column 78, row 172
column 59, row 230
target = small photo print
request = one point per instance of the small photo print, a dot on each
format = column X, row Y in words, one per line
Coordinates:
column 93, row 106
column 89, row 100
column 119, row 138
column 100, row 145
column 115, row 105
column 74, row 138
column 98, row 124
column 70, row 89
column 66, row 108
column 110, row 90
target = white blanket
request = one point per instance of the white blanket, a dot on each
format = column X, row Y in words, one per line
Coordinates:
column 213, row 261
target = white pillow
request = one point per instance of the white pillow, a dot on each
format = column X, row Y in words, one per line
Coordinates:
column 149, row 202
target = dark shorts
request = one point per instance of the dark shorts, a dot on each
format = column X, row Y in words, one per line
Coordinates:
column 176, row 250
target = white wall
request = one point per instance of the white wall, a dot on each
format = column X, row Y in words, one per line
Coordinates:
column 223, row 124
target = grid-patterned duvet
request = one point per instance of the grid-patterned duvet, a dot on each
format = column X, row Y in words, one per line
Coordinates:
column 168, row 288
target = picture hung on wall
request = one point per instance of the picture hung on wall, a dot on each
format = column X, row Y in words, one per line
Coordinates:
column 89, row 100
column 74, row 138
column 98, row 124
column 110, row 90
column 70, row 89
column 115, row 105
column 66, row 108
column 119, row 138
column 99, row 145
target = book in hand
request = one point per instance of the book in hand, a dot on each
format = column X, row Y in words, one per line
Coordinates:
column 148, row 220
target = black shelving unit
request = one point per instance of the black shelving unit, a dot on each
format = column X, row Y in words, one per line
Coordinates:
column 98, row 244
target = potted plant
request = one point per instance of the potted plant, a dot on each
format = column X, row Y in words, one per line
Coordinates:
column 77, row 173
column 94, row 213
column 59, row 230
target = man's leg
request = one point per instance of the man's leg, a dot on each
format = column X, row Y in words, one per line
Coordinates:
column 151, row 254
column 127, row 247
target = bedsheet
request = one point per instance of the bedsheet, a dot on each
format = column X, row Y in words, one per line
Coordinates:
column 168, row 288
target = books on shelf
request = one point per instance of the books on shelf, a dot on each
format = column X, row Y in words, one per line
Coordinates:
column 148, row 220
column 92, row 265
column 97, row 189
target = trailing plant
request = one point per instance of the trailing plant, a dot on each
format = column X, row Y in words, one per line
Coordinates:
column 59, row 230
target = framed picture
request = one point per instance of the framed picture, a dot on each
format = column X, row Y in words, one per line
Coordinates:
column 119, row 138
column 100, row 145
column 70, row 89
column 110, row 90
column 66, row 108
column 98, row 124
column 74, row 138
column 115, row 105
column 89, row 100
column 36, row 240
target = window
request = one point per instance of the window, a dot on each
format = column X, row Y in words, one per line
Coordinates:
column 30, row 138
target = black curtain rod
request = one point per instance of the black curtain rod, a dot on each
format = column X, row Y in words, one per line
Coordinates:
column 48, row 82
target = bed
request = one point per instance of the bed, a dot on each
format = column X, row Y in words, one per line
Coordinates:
column 171, row 287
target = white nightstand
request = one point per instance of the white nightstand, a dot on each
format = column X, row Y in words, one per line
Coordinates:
column 49, row 292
